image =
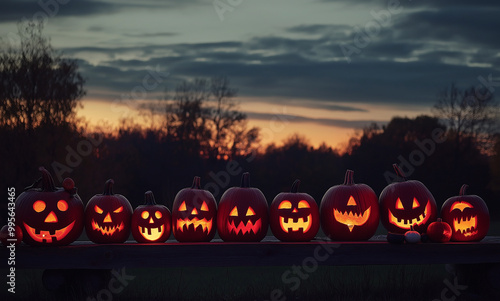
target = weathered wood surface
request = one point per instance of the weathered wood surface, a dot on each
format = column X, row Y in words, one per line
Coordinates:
column 269, row 252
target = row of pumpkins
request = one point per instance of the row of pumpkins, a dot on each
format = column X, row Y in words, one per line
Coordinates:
column 56, row 216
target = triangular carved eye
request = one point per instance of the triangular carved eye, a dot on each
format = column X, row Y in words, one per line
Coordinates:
column 204, row 206
column 120, row 209
column 250, row 211
column 351, row 202
column 415, row 203
column 98, row 210
column 234, row 212
column 183, row 207
column 399, row 205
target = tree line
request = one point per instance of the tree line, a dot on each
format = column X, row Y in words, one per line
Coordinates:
column 202, row 132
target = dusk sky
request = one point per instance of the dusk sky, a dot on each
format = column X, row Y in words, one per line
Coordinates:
column 325, row 67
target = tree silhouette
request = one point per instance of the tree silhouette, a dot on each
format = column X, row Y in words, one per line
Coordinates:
column 37, row 85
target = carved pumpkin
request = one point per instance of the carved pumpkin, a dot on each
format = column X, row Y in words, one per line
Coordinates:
column 50, row 216
column 194, row 214
column 406, row 203
column 108, row 216
column 294, row 216
column 243, row 213
column 151, row 223
column 7, row 237
column 349, row 211
column 467, row 215
column 439, row 231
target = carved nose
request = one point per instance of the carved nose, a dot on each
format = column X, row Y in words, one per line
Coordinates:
column 107, row 219
column 295, row 210
column 194, row 212
column 51, row 218
column 151, row 220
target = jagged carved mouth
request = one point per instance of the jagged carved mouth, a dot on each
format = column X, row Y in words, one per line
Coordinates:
column 107, row 230
column 466, row 226
column 406, row 223
column 297, row 224
column 243, row 228
column 195, row 223
column 351, row 219
column 151, row 234
column 48, row 236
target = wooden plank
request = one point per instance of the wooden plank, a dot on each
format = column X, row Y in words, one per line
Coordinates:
column 270, row 252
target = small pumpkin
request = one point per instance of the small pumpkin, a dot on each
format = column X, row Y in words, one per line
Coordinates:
column 50, row 215
column 439, row 231
column 467, row 215
column 412, row 236
column 151, row 223
column 194, row 214
column 243, row 213
column 7, row 237
column 294, row 216
column 108, row 216
column 405, row 204
column 349, row 211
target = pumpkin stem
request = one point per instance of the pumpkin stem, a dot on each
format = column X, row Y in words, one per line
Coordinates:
column 196, row 183
column 439, row 220
column 149, row 198
column 47, row 181
column 411, row 228
column 295, row 186
column 399, row 172
column 349, row 177
column 463, row 189
column 245, row 180
column 34, row 185
column 108, row 187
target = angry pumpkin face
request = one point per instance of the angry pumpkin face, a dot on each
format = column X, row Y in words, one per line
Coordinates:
column 151, row 222
column 294, row 216
column 108, row 217
column 194, row 213
column 407, row 203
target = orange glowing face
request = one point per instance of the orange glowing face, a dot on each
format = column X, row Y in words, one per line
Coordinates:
column 405, row 216
column 107, row 226
column 251, row 225
column 192, row 219
column 295, row 219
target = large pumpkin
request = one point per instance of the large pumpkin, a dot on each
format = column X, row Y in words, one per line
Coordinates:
column 243, row 213
column 194, row 214
column 406, row 203
column 467, row 215
column 349, row 211
column 50, row 215
column 151, row 222
column 294, row 216
column 108, row 216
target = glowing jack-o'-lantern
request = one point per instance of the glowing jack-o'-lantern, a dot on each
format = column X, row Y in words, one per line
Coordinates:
column 467, row 215
column 50, row 216
column 349, row 211
column 151, row 222
column 407, row 203
column 194, row 214
column 294, row 216
column 108, row 216
column 243, row 213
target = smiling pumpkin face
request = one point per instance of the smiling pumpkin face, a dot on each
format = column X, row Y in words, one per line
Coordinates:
column 349, row 211
column 108, row 217
column 467, row 215
column 151, row 223
column 243, row 213
column 294, row 216
column 50, row 216
column 407, row 203
column 194, row 213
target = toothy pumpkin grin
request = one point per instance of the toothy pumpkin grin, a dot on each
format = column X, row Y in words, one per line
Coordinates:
column 206, row 225
column 48, row 236
column 152, row 234
column 296, row 224
column 467, row 226
column 351, row 219
column 406, row 223
column 107, row 230
column 244, row 228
